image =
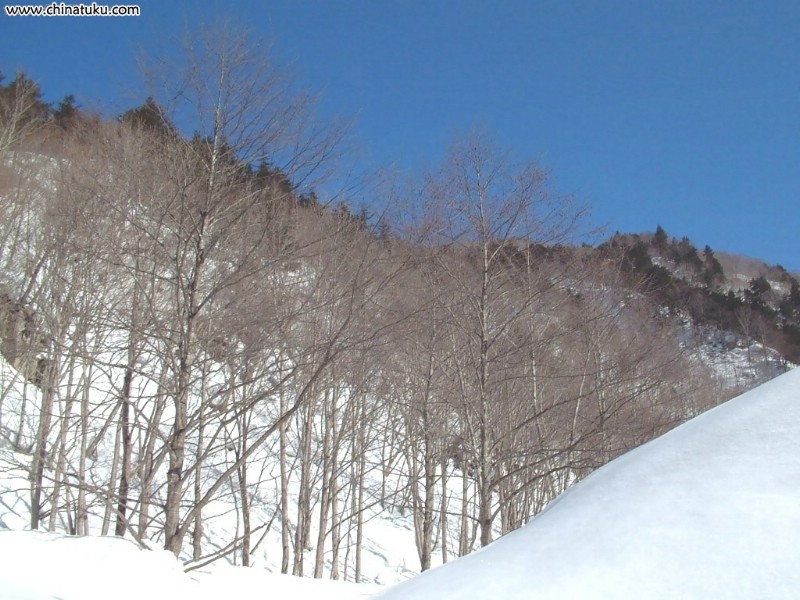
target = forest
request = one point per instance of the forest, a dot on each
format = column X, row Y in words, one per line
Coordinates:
column 199, row 327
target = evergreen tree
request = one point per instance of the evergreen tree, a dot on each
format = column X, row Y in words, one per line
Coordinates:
column 637, row 258
column 660, row 238
column 790, row 305
column 67, row 112
column 22, row 93
column 150, row 116
column 712, row 271
column 759, row 288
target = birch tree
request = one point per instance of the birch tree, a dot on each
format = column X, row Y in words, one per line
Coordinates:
column 489, row 207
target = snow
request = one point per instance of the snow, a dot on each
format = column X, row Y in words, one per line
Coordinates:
column 389, row 554
column 45, row 565
column 737, row 362
column 709, row 510
column 226, row 581
column 42, row 566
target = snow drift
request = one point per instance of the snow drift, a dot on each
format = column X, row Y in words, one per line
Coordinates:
column 709, row 510
column 43, row 566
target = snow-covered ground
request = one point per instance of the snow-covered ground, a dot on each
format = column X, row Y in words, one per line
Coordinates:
column 740, row 363
column 389, row 554
column 43, row 566
column 709, row 510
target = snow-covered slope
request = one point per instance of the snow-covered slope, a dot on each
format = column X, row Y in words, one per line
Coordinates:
column 709, row 510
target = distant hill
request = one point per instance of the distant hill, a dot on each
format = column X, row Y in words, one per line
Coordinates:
column 736, row 294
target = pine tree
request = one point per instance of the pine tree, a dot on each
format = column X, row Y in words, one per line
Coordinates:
column 67, row 112
column 660, row 238
column 150, row 116
column 713, row 271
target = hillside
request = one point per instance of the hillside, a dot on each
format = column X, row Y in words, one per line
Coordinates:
column 202, row 354
column 708, row 510
column 744, row 296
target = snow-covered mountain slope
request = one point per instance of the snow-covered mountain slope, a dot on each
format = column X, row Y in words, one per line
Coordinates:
column 709, row 510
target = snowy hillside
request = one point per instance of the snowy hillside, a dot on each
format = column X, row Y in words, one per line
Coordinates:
column 323, row 400
column 389, row 554
column 709, row 510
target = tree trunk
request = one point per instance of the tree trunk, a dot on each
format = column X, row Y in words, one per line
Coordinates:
column 60, row 478
column 443, row 511
column 147, row 462
column 304, row 493
column 125, row 458
column 284, row 466
column 325, row 493
column 40, row 452
column 82, row 512
column 125, row 421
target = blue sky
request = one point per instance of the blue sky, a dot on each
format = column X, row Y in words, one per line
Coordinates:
column 679, row 113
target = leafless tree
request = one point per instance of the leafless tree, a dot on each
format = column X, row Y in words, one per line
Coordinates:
column 490, row 209
column 22, row 112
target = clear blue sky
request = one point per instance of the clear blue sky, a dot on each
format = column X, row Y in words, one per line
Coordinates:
column 679, row 113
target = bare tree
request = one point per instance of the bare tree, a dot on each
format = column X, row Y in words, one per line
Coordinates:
column 216, row 229
column 21, row 111
column 490, row 208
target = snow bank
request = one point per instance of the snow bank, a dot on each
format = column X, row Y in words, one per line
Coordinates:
column 43, row 566
column 709, row 510
column 39, row 566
